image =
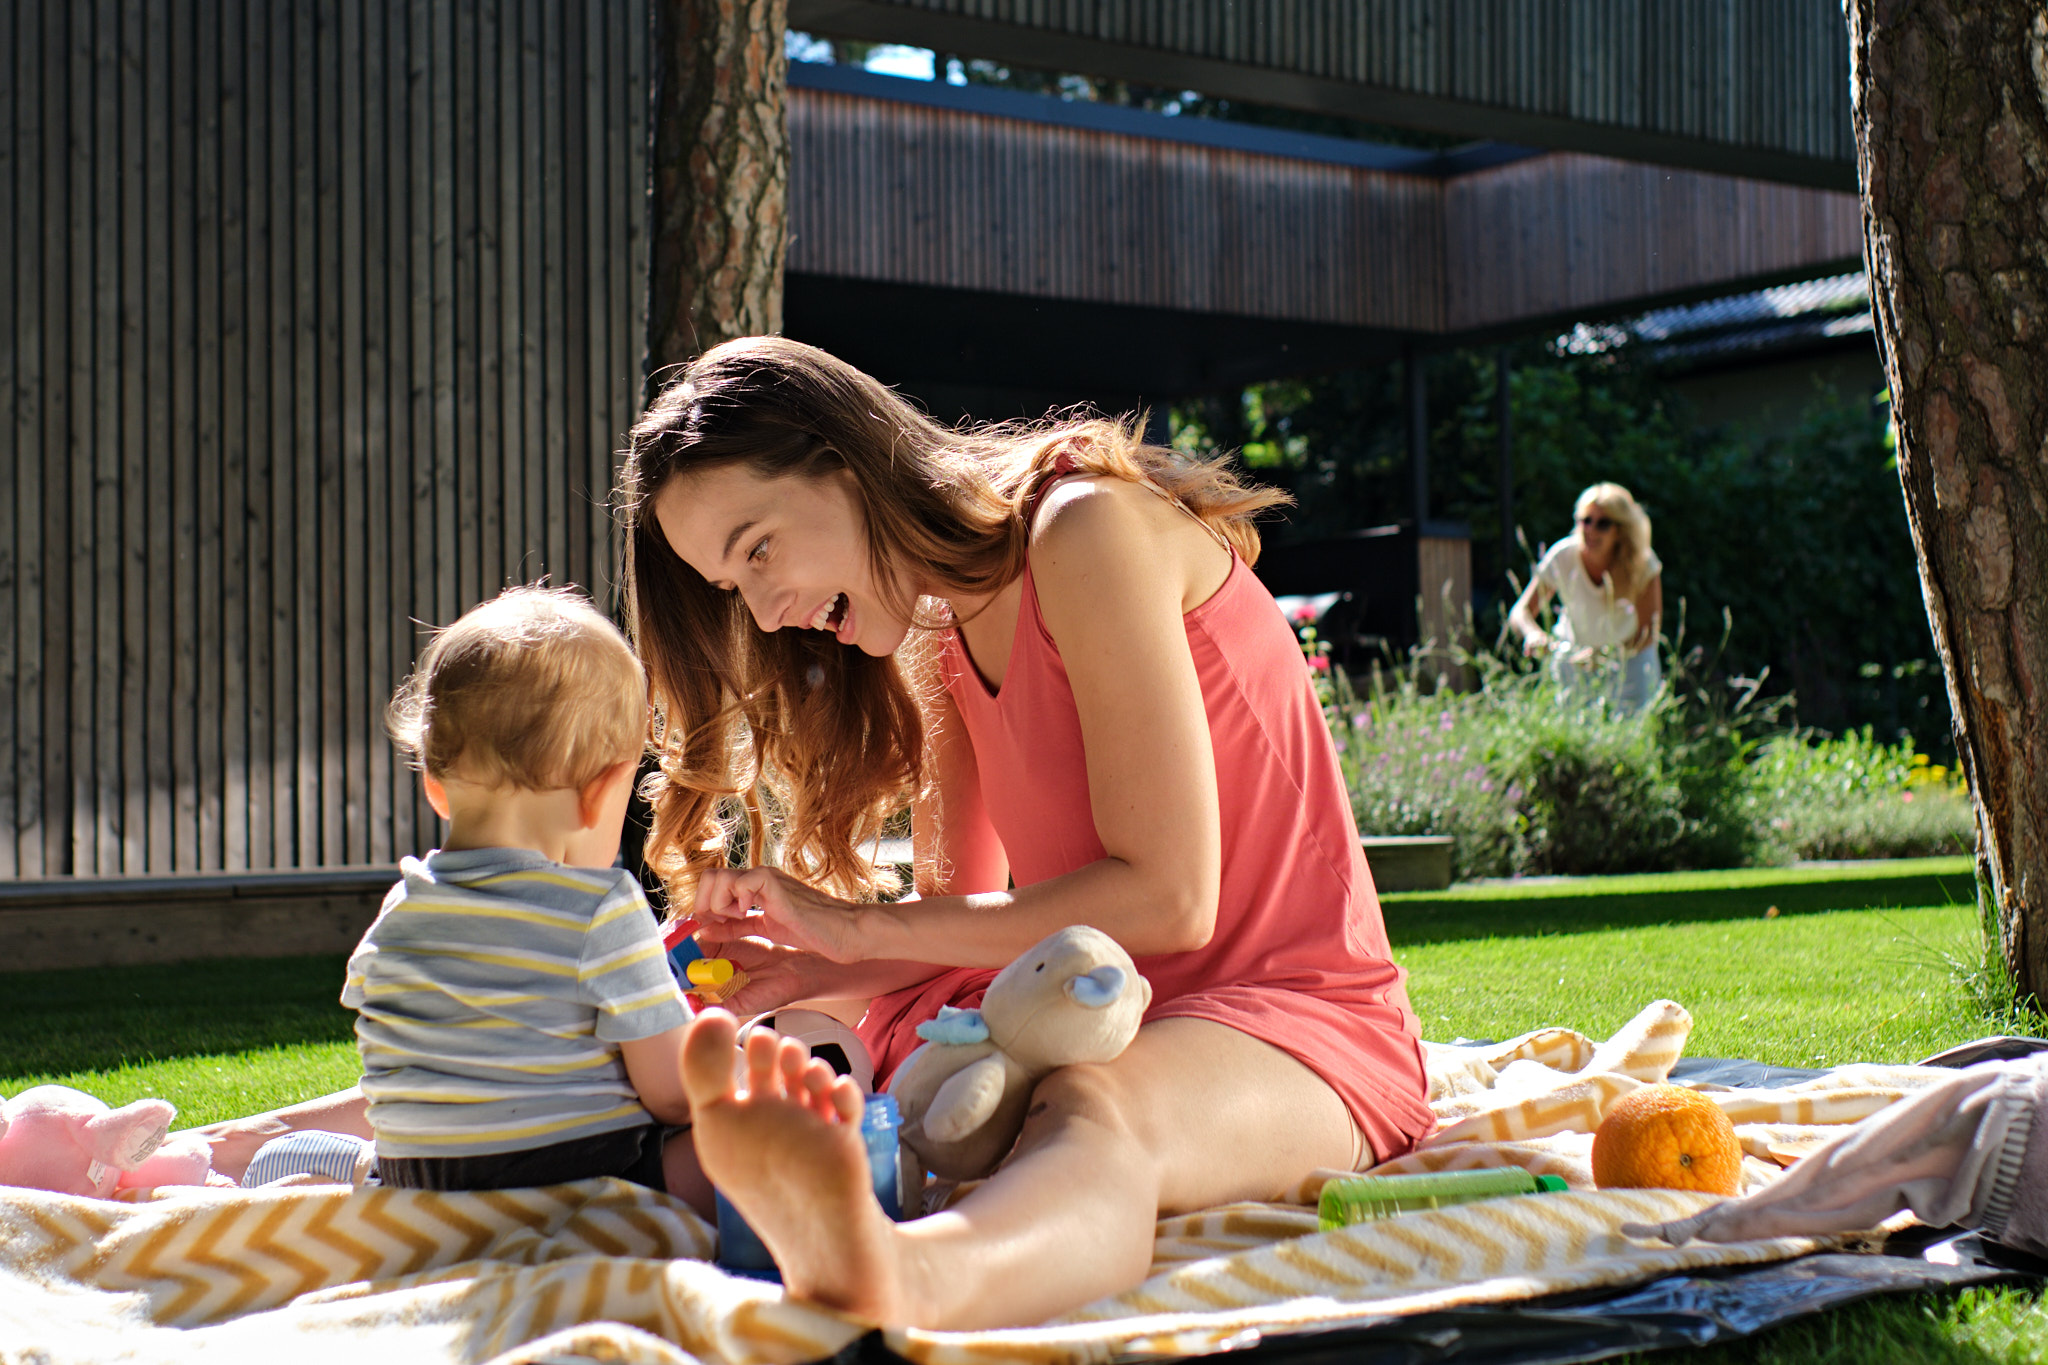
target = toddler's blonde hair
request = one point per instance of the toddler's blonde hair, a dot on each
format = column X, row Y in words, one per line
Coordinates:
column 532, row 689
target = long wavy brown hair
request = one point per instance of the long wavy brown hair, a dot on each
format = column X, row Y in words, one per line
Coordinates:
column 808, row 744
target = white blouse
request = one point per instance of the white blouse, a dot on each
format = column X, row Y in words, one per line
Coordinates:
column 1593, row 614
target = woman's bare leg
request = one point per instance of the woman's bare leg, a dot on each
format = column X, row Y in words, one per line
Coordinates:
column 1192, row 1114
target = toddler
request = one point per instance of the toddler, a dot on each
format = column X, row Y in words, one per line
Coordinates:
column 518, row 1020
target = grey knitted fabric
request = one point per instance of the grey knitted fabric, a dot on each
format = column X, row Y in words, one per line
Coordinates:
column 1971, row 1149
column 2026, row 1222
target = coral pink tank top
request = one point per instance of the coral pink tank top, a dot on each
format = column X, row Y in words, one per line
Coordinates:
column 1299, row 957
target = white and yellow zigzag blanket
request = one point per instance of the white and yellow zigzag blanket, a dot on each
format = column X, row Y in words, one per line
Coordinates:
column 603, row 1270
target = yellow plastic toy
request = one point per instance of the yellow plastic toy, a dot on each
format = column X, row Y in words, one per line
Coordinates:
column 714, row 980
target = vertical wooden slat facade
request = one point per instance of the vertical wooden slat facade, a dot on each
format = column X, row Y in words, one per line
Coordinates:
column 1756, row 87
column 916, row 193
column 316, row 320
column 893, row 191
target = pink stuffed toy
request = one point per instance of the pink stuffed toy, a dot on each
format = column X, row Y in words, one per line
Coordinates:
column 55, row 1138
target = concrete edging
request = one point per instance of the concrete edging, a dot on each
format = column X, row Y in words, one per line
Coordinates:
column 115, row 921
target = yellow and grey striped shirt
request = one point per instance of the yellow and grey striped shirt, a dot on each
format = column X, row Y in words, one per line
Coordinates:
column 491, row 995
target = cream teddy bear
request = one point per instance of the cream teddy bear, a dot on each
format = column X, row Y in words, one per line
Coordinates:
column 1076, row 997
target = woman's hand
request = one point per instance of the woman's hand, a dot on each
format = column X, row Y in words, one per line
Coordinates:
column 762, row 902
column 776, row 975
column 1536, row 644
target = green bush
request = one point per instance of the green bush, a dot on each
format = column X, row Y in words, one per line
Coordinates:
column 1529, row 781
column 1855, row 797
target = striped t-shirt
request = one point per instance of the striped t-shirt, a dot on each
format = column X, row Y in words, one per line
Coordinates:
column 491, row 995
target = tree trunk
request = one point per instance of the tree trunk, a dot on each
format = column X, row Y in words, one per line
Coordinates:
column 1951, row 103
column 720, row 176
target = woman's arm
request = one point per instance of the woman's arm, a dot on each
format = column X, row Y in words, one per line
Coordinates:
column 1111, row 589
column 1649, row 614
column 1523, row 618
column 234, row 1141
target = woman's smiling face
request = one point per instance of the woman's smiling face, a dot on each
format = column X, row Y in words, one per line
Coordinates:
column 794, row 548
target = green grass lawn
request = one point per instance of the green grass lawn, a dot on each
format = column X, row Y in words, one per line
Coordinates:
column 1858, row 964
column 217, row 1039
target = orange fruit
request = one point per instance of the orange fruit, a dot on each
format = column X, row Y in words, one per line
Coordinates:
column 1665, row 1137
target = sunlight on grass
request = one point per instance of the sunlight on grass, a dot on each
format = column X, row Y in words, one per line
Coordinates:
column 219, row 1085
column 1797, row 990
column 1974, row 1327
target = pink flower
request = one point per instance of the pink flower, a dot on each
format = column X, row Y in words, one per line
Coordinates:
column 1305, row 614
column 1318, row 663
column 1905, row 796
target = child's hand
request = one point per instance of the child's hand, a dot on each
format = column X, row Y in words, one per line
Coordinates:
column 764, row 903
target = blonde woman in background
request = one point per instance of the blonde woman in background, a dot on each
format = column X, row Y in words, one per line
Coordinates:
column 1612, row 588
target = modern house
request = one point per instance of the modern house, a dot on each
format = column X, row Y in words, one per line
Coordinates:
column 322, row 320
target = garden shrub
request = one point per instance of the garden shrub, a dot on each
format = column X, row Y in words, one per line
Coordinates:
column 1527, row 781
column 1855, row 796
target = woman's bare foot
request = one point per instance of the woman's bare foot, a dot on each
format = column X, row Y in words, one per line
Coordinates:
column 784, row 1145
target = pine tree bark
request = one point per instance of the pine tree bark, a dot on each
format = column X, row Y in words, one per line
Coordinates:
column 1951, row 112
column 719, row 171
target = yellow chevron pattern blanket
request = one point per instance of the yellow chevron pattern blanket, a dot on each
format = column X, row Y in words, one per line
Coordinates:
column 608, row 1271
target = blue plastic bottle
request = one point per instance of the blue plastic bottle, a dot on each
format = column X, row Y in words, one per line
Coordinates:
column 743, row 1253
column 878, row 1125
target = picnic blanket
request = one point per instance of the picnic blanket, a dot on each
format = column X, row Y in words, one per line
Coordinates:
column 609, row 1271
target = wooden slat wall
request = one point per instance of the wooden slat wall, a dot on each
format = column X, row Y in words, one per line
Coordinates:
column 1567, row 233
column 316, row 320
column 913, row 194
column 916, row 195
column 1765, row 74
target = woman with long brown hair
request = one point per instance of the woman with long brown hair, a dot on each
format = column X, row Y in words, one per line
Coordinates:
column 1046, row 641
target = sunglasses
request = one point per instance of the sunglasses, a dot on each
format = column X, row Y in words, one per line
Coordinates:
column 1597, row 523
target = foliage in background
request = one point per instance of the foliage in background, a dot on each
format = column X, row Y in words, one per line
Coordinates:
column 1529, row 781
column 1799, row 536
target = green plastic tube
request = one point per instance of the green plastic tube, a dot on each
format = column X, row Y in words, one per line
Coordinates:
column 1364, row 1198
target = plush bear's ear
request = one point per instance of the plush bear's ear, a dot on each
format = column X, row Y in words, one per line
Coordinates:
column 1098, row 989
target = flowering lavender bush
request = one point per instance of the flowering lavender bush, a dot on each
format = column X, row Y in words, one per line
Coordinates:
column 1527, row 781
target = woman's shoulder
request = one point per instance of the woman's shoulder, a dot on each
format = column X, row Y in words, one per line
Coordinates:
column 1097, row 529
column 1086, row 515
column 1558, row 559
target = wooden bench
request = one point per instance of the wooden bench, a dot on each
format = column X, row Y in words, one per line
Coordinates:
column 1409, row 862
